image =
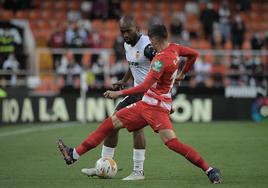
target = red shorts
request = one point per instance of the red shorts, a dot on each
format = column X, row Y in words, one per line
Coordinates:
column 140, row 114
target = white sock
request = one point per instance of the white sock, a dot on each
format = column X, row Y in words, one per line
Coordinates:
column 107, row 151
column 209, row 169
column 138, row 159
column 75, row 154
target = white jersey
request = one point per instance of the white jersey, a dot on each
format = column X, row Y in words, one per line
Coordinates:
column 138, row 63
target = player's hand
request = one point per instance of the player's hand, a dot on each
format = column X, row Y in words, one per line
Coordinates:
column 118, row 85
column 179, row 78
column 112, row 94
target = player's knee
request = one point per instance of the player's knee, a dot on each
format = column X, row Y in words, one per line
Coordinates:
column 116, row 122
column 166, row 134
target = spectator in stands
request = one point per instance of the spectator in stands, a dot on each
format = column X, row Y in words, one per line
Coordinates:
column 98, row 70
column 81, row 35
column 114, row 9
column 74, row 15
column 156, row 19
column 207, row 17
column 119, row 49
column 185, row 38
column 69, row 34
column 16, row 5
column 266, row 39
column 69, row 68
column 217, row 40
column 254, row 71
column 176, row 28
column 202, row 69
column 218, row 71
column 235, row 69
column 224, row 20
column 95, row 39
column 99, row 9
column 191, row 7
column 243, row 5
column 11, row 64
column 238, row 30
column 85, row 8
column 56, row 41
column 256, row 41
column 120, row 67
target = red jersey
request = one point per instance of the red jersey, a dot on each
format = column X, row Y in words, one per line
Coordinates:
column 162, row 74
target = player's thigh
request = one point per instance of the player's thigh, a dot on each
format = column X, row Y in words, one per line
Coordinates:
column 157, row 119
column 128, row 100
column 131, row 117
column 166, row 134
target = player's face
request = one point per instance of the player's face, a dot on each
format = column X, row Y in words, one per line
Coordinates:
column 129, row 34
column 153, row 42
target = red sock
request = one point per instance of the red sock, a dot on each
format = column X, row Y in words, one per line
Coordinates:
column 188, row 152
column 96, row 137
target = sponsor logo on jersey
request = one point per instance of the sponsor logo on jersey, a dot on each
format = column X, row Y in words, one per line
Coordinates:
column 157, row 66
column 137, row 54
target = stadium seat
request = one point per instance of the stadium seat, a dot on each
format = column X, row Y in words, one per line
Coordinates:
column 34, row 14
column 6, row 15
column 61, row 5
column 74, row 5
column 149, row 6
column 97, row 24
column 47, row 5
column 21, row 14
column 47, row 14
column 126, row 6
column 60, row 15
column 111, row 25
column 43, row 25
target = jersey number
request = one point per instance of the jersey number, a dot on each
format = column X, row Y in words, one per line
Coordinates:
column 173, row 77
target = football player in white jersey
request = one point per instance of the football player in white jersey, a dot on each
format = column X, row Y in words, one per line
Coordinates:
column 139, row 52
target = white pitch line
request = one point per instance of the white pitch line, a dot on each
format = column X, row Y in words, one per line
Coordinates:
column 40, row 129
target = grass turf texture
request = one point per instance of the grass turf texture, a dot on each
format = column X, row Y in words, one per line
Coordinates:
column 29, row 157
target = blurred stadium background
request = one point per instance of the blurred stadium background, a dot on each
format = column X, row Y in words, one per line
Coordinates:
column 58, row 57
column 53, row 51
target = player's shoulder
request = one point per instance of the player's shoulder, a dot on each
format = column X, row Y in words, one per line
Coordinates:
column 160, row 57
column 144, row 40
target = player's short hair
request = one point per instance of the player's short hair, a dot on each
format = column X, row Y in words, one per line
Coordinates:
column 130, row 19
column 159, row 31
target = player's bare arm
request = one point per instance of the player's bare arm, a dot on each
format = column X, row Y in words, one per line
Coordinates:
column 143, row 87
column 121, row 83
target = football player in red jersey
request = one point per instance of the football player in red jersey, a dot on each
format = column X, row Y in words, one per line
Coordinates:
column 154, row 107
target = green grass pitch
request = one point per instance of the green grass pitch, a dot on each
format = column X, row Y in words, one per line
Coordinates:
column 29, row 157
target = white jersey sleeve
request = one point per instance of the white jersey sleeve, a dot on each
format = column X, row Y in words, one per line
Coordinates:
column 138, row 63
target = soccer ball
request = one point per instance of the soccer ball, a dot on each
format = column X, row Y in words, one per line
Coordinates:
column 106, row 167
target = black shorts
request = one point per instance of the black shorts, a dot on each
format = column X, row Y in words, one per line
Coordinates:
column 128, row 100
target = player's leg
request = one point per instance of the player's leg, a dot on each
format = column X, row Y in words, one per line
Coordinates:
column 129, row 117
column 111, row 141
column 138, row 156
column 172, row 142
column 93, row 140
column 160, row 122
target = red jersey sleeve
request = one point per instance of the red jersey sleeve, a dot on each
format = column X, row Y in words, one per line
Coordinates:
column 155, row 72
column 157, row 68
column 141, row 88
column 191, row 55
